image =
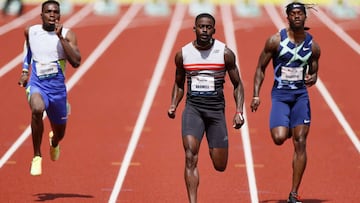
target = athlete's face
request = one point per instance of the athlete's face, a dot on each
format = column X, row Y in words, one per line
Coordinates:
column 296, row 19
column 50, row 15
column 204, row 29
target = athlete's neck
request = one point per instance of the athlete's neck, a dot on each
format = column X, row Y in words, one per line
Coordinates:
column 204, row 46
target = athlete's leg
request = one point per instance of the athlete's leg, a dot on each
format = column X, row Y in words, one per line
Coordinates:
column 59, row 133
column 191, row 174
column 37, row 106
column 300, row 125
column 217, row 137
column 219, row 157
column 58, row 114
column 279, row 134
column 300, row 158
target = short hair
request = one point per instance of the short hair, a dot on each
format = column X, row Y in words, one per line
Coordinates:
column 295, row 5
column 204, row 15
column 49, row 2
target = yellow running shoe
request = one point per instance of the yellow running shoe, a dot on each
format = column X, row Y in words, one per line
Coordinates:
column 54, row 151
column 36, row 166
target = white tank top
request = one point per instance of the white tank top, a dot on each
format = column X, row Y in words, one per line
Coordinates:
column 205, row 73
column 45, row 46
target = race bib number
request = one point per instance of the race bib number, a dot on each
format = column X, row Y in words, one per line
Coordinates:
column 292, row 74
column 202, row 83
column 46, row 70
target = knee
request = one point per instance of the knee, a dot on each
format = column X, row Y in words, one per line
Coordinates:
column 191, row 159
column 279, row 135
column 37, row 109
column 220, row 168
column 300, row 143
column 37, row 113
column 278, row 140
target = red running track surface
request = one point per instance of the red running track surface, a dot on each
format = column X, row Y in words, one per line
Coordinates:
column 109, row 95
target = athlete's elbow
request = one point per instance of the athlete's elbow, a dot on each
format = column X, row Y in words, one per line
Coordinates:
column 76, row 63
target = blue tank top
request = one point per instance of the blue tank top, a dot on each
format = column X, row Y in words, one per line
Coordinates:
column 291, row 63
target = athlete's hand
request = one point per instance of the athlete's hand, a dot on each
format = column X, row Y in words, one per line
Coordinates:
column 238, row 120
column 171, row 111
column 255, row 103
column 58, row 28
column 310, row 79
column 23, row 79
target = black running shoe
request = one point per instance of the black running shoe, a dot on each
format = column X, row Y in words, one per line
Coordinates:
column 294, row 198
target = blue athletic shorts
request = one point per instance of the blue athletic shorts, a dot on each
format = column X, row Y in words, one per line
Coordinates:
column 290, row 108
column 197, row 121
column 55, row 104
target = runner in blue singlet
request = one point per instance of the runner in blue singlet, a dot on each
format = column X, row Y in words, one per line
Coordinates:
column 47, row 49
column 295, row 57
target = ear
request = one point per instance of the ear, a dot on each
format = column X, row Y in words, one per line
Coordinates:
column 214, row 31
column 194, row 29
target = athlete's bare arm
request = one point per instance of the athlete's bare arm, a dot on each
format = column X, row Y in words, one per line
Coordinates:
column 70, row 45
column 178, row 88
column 270, row 48
column 232, row 69
column 311, row 77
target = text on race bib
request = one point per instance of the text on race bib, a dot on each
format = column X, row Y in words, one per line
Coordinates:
column 46, row 70
column 292, row 74
column 202, row 83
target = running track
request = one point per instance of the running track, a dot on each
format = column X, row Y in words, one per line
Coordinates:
column 121, row 147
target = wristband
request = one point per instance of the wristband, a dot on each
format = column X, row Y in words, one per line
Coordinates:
column 256, row 98
column 25, row 72
column 240, row 114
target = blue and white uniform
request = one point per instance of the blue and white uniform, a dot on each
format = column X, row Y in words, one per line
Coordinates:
column 290, row 99
column 204, row 110
column 46, row 57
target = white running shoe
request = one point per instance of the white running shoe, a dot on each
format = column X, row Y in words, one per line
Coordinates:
column 54, row 151
column 36, row 166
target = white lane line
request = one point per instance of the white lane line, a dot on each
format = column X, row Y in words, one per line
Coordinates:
column 69, row 23
column 274, row 15
column 231, row 42
column 171, row 35
column 337, row 30
column 17, row 22
column 125, row 20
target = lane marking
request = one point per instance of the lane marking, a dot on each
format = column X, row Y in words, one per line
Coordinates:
column 231, row 42
column 17, row 22
column 274, row 15
column 245, row 165
column 100, row 49
column 170, row 38
column 69, row 23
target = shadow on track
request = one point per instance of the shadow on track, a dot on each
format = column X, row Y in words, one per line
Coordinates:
column 52, row 196
column 303, row 200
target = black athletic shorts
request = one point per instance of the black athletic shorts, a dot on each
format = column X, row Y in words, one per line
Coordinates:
column 197, row 121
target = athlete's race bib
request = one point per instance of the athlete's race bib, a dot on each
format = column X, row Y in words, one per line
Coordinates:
column 292, row 74
column 202, row 83
column 47, row 70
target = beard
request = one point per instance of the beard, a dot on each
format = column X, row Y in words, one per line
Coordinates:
column 49, row 27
